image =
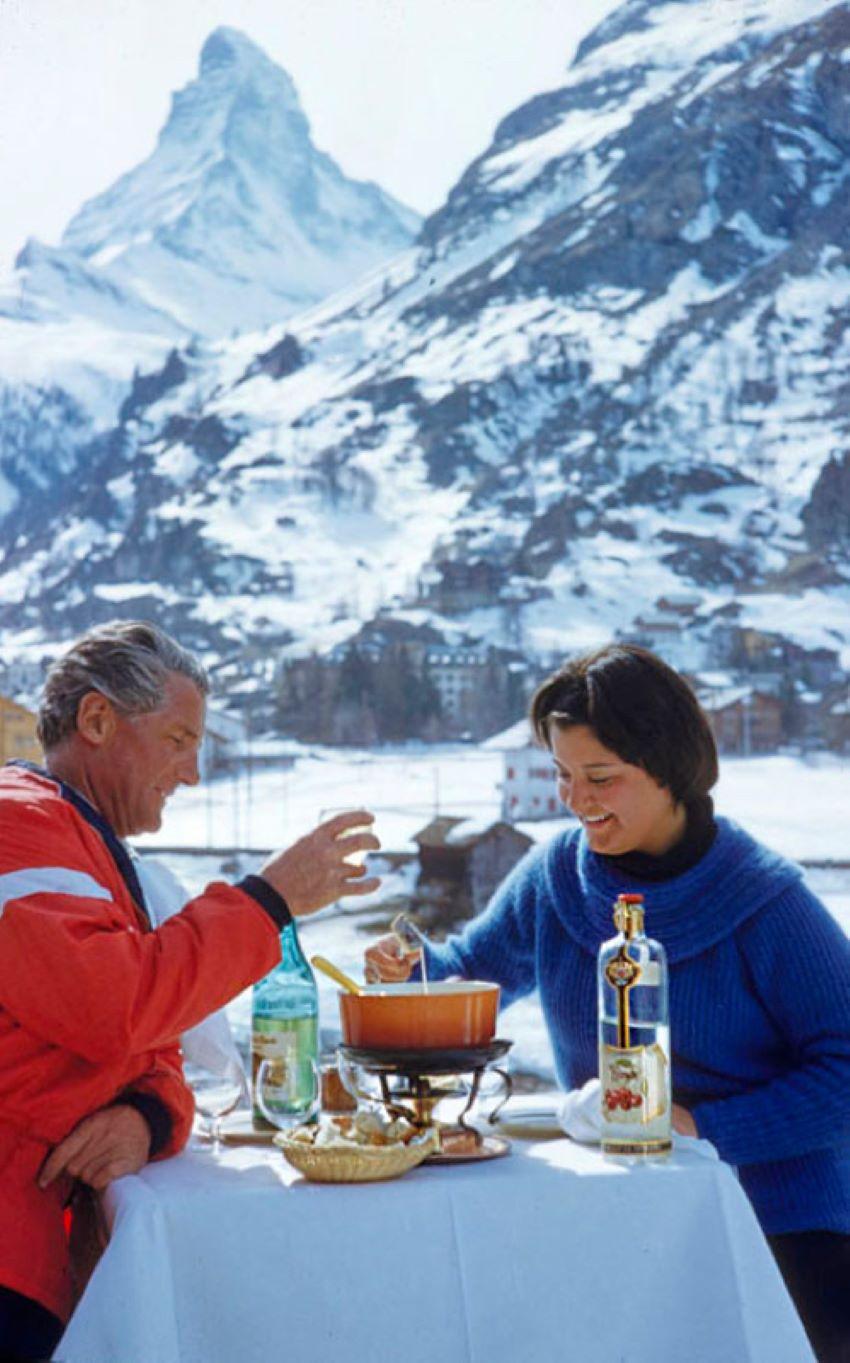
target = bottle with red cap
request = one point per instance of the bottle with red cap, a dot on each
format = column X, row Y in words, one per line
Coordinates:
column 634, row 1038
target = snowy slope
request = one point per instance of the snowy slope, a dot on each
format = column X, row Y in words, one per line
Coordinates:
column 614, row 367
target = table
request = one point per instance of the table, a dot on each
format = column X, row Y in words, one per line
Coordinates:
column 548, row 1254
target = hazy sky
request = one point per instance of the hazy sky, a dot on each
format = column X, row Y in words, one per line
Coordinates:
column 404, row 92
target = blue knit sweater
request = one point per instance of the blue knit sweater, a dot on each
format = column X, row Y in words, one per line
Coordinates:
column 759, row 1003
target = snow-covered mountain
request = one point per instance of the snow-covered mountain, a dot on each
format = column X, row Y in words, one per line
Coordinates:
column 234, row 222
column 612, row 371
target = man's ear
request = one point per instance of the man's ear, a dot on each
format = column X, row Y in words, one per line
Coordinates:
column 96, row 718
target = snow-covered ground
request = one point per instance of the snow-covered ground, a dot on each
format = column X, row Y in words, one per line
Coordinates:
column 800, row 806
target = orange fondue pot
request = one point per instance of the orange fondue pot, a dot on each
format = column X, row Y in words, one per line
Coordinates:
column 407, row 1017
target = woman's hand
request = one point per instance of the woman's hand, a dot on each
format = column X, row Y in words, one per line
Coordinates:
column 387, row 961
column 683, row 1122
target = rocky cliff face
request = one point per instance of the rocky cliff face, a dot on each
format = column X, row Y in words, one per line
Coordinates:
column 614, row 369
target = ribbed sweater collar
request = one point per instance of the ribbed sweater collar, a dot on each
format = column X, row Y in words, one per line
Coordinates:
column 688, row 913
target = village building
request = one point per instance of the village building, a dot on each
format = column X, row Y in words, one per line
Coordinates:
column 457, row 673
column 528, row 776
column 461, row 862
column 682, row 603
column 18, row 739
column 743, row 719
column 665, row 630
column 454, row 586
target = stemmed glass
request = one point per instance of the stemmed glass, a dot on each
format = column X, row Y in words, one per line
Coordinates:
column 274, row 1096
column 215, row 1095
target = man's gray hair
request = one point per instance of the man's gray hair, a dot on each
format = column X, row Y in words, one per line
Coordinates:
column 128, row 661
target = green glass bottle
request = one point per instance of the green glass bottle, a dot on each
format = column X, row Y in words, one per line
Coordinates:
column 285, row 1030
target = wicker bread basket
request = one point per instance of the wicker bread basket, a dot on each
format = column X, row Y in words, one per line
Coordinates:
column 354, row 1163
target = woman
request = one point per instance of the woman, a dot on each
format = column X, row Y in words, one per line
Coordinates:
column 759, row 970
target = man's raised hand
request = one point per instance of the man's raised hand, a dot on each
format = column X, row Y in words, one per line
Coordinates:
column 316, row 870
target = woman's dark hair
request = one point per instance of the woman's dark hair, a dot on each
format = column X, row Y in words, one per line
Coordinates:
column 639, row 708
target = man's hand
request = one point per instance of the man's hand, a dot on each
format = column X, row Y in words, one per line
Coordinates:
column 314, row 871
column 111, row 1142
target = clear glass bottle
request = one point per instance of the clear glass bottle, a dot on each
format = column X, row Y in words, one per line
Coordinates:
column 634, row 1037
column 285, row 1029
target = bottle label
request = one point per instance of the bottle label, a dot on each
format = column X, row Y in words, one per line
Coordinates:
column 621, row 971
column 292, row 1044
column 634, row 1088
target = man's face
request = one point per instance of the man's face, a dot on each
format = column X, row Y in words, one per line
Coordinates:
column 148, row 756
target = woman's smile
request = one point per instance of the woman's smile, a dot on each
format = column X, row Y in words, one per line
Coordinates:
column 621, row 807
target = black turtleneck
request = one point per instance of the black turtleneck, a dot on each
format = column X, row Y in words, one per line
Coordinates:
column 699, row 834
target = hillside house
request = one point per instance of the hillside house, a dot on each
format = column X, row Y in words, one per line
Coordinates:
column 18, row 738
column 454, row 586
column 458, row 672
column 461, row 862
column 754, row 650
column 528, row 776
column 684, row 604
column 744, row 720
column 665, row 631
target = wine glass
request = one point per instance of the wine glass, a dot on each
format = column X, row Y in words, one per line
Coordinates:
column 215, row 1095
column 354, row 858
column 285, row 1104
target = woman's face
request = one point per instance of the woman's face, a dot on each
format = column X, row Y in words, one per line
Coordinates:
column 622, row 808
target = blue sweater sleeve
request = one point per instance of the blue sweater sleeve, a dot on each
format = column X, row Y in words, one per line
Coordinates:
column 799, row 963
column 499, row 944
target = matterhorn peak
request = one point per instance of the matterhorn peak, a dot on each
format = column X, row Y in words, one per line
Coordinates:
column 230, row 57
column 230, row 47
column 234, row 222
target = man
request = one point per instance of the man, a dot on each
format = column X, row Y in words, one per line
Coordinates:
column 92, row 999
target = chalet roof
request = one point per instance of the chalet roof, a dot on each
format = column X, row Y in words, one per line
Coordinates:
column 512, row 739
column 725, row 698
column 446, row 831
column 659, row 620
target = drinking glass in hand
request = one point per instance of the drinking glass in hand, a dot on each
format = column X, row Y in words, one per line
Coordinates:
column 357, row 858
column 215, row 1095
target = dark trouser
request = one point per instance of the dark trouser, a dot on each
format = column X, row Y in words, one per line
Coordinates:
column 816, row 1267
column 28, row 1332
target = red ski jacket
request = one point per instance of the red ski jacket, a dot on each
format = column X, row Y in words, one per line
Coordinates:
column 92, row 1002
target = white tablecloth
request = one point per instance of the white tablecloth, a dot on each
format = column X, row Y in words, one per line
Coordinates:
column 550, row 1253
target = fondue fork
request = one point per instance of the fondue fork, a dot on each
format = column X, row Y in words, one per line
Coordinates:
column 411, row 937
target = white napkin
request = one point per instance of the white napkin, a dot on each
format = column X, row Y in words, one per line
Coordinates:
column 580, row 1115
column 210, row 1043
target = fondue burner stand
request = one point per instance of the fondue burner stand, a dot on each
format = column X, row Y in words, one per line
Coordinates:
column 413, row 1082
